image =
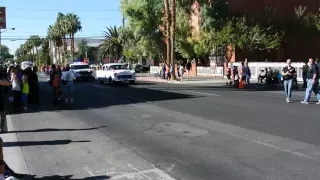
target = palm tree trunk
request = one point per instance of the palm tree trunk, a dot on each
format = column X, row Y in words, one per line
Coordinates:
column 59, row 54
column 72, row 44
column 33, row 54
column 173, row 29
column 38, row 61
column 64, row 47
column 167, row 29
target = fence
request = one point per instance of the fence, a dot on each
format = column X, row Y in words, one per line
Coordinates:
column 201, row 71
column 210, row 71
column 255, row 68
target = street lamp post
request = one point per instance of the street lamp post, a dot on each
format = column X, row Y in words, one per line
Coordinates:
column 0, row 39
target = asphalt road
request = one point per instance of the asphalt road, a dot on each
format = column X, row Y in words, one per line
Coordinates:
column 186, row 132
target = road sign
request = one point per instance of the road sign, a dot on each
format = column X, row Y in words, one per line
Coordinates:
column 3, row 24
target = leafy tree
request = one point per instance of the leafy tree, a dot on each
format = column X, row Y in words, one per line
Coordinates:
column 145, row 21
column 5, row 52
column 111, row 45
column 220, row 31
column 83, row 48
column 73, row 26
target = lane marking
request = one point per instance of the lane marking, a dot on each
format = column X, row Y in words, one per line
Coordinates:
column 89, row 171
column 202, row 93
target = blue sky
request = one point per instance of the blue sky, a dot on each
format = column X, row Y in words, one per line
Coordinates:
column 32, row 17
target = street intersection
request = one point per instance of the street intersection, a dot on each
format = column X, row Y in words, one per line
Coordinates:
column 155, row 130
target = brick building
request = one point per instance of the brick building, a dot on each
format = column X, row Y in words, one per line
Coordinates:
column 298, row 48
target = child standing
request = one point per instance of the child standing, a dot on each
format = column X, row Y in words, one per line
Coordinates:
column 16, row 90
column 25, row 92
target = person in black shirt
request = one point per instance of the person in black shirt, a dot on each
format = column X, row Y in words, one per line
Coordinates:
column 288, row 73
column 188, row 67
column 312, row 83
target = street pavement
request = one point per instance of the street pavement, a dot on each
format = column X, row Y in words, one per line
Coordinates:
column 168, row 131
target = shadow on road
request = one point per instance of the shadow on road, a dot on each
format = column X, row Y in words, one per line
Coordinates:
column 100, row 96
column 53, row 130
column 67, row 177
column 40, row 143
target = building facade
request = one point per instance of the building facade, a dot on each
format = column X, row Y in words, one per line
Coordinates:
column 56, row 53
column 297, row 47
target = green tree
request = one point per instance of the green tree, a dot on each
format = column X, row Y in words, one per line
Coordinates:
column 220, row 31
column 145, row 21
column 111, row 45
column 83, row 49
column 55, row 36
column 63, row 28
column 5, row 52
column 74, row 26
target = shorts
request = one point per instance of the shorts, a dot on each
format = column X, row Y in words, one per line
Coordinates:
column 68, row 88
column 24, row 98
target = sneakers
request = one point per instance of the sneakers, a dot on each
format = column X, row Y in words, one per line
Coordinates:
column 304, row 102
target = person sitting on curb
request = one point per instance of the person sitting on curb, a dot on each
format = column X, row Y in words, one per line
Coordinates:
column 4, row 168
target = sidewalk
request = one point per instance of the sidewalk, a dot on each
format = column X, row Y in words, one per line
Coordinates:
column 48, row 144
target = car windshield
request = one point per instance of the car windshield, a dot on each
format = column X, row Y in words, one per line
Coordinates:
column 80, row 66
column 116, row 67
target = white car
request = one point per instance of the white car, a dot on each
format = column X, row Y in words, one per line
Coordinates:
column 115, row 72
column 82, row 71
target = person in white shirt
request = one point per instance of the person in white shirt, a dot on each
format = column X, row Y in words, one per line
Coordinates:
column 67, row 80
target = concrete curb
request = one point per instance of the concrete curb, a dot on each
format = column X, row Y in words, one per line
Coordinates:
column 14, row 155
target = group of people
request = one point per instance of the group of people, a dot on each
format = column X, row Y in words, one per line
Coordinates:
column 24, row 87
column 166, row 70
column 62, row 82
column 312, row 80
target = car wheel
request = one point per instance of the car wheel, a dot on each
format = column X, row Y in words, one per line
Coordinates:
column 132, row 82
column 101, row 82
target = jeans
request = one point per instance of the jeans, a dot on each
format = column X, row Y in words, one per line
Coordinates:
column 288, row 88
column 312, row 87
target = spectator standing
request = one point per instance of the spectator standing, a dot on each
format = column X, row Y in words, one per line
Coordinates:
column 67, row 79
column 188, row 68
column 305, row 69
column 16, row 90
column 288, row 73
column 312, row 82
column 25, row 91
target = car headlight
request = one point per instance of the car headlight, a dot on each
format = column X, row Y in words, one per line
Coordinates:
column 134, row 74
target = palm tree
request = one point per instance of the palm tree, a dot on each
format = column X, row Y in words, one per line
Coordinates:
column 29, row 48
column 167, row 29
column 74, row 26
column 63, row 26
column 111, row 45
column 173, row 30
column 55, row 36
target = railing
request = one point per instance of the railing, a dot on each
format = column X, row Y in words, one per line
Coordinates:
column 154, row 69
column 255, row 68
column 210, row 71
